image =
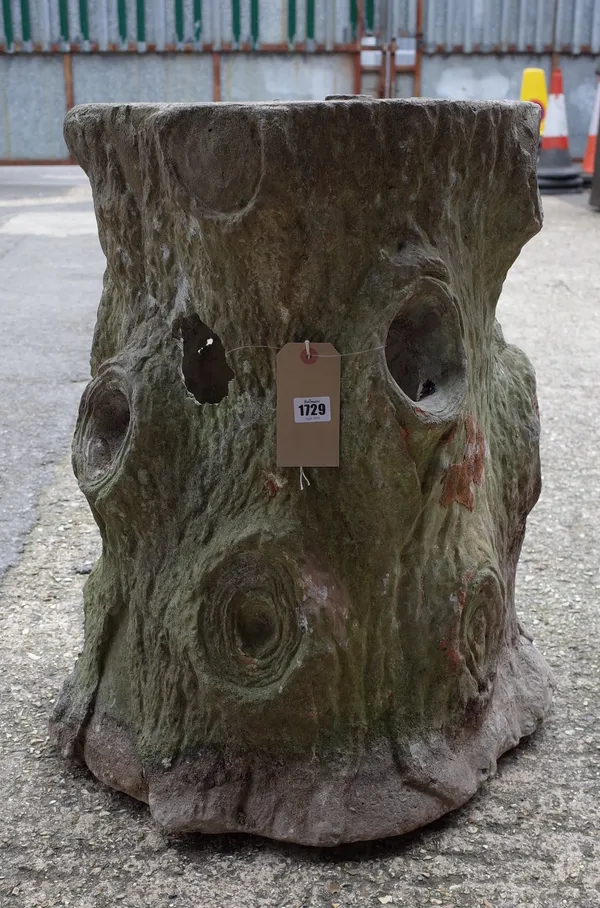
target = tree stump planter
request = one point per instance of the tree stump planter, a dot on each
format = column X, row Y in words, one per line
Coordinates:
column 342, row 662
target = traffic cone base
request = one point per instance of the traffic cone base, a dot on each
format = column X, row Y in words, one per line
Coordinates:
column 556, row 172
column 557, row 187
column 559, row 173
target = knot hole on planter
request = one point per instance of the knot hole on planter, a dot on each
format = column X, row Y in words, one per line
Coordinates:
column 425, row 354
column 107, row 430
column 204, row 366
column 256, row 627
column 103, row 427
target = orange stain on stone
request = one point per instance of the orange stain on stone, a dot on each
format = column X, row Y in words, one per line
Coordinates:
column 460, row 477
column 273, row 484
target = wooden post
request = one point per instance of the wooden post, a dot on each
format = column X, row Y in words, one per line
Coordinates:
column 69, row 93
column 68, row 71
column 216, row 58
column 392, row 85
column 419, row 51
column 358, row 58
column 383, row 71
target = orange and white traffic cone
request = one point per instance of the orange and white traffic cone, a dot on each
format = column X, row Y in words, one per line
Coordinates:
column 595, row 193
column 590, row 149
column 556, row 171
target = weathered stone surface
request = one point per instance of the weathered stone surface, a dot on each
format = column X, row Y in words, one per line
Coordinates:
column 343, row 662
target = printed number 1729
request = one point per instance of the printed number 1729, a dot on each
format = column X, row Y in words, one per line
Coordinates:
column 312, row 409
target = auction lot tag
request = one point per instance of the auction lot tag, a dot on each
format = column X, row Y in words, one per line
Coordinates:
column 308, row 406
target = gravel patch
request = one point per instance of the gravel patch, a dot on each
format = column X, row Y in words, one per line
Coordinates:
column 529, row 839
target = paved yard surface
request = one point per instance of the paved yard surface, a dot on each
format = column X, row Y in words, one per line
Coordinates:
column 50, row 283
column 531, row 838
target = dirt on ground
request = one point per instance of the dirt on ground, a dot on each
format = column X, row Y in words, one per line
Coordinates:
column 529, row 839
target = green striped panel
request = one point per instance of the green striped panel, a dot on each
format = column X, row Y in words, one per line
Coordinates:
column 8, row 23
column 122, row 17
column 84, row 20
column 310, row 20
column 236, row 21
column 197, row 20
column 179, row 20
column 141, row 21
column 254, row 22
column 63, row 15
column 354, row 17
column 25, row 20
column 370, row 15
column 291, row 21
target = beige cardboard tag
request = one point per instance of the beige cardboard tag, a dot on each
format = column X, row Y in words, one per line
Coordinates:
column 308, row 406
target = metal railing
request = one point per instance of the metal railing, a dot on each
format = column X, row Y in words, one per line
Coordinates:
column 449, row 26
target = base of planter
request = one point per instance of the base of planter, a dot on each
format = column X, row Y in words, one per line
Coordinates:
column 324, row 805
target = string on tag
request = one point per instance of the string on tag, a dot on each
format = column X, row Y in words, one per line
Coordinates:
column 308, row 353
column 303, row 479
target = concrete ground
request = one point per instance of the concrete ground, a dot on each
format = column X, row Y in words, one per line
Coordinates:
column 530, row 839
column 50, row 283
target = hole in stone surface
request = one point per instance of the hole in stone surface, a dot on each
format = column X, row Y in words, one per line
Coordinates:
column 427, row 388
column 204, row 366
column 424, row 351
column 255, row 628
column 106, row 430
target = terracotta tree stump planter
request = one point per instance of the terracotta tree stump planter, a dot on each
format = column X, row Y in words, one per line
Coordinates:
column 343, row 662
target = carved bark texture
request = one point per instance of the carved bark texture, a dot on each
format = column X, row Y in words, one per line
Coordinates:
column 344, row 662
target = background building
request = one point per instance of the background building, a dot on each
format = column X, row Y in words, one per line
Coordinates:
column 56, row 53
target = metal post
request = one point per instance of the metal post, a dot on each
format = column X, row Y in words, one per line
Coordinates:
column 197, row 21
column 85, row 23
column 26, row 25
column 63, row 16
column 291, row 23
column 179, row 28
column 554, row 24
column 141, row 26
column 122, row 21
